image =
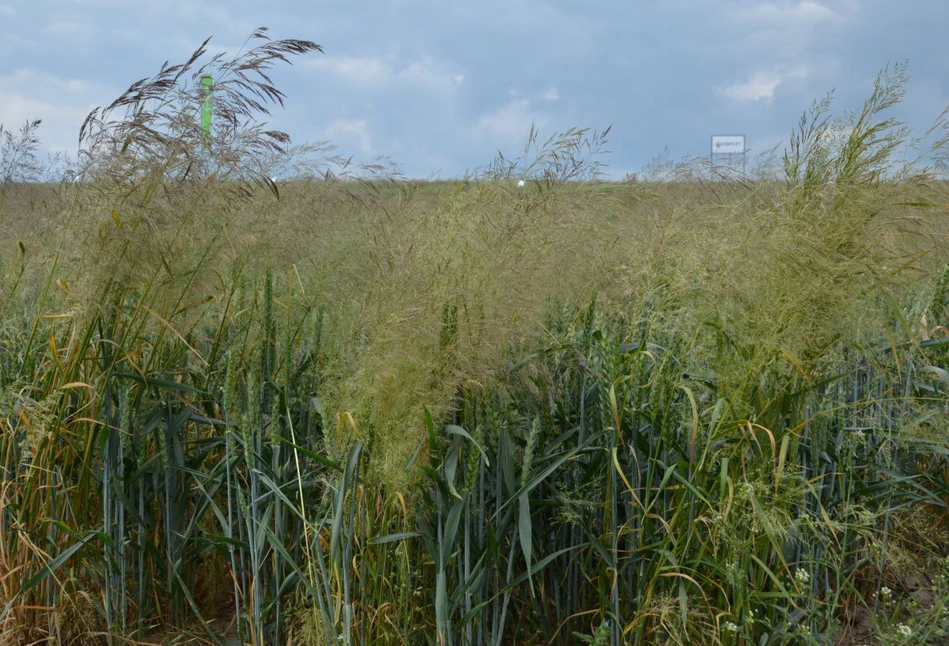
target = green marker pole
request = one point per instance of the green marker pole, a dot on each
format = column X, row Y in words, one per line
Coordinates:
column 207, row 105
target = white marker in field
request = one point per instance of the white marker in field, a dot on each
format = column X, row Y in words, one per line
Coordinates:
column 520, row 183
column 727, row 150
column 728, row 144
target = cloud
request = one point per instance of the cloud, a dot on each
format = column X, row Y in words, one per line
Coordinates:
column 61, row 102
column 7, row 10
column 551, row 94
column 368, row 72
column 26, row 76
column 219, row 15
column 511, row 122
column 83, row 34
column 65, row 29
column 349, row 129
column 378, row 74
column 806, row 12
column 426, row 73
column 104, row 4
column 762, row 85
column 16, row 109
column 60, row 127
column 781, row 32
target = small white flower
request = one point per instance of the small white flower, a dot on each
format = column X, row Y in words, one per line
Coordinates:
column 904, row 631
column 729, row 627
column 520, row 183
column 802, row 576
column 885, row 592
column 745, row 489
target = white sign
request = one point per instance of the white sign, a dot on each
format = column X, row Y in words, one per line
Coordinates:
column 728, row 144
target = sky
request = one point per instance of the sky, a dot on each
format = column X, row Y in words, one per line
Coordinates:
column 441, row 86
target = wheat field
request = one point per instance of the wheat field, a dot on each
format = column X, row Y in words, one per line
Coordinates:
column 347, row 407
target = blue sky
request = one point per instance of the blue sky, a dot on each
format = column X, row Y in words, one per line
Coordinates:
column 440, row 86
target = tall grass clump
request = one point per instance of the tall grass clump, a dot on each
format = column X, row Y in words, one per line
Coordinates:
column 113, row 392
column 350, row 408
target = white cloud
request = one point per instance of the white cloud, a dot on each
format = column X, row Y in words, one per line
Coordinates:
column 350, row 129
column 218, row 15
column 511, row 122
column 426, row 73
column 369, row 72
column 60, row 128
column 28, row 77
column 104, row 4
column 7, row 10
column 65, row 29
column 378, row 73
column 61, row 102
column 84, row 35
column 806, row 12
column 15, row 109
column 551, row 94
column 761, row 86
column 781, row 30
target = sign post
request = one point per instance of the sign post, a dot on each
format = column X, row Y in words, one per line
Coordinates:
column 728, row 149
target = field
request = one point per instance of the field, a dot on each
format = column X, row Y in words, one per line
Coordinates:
column 344, row 407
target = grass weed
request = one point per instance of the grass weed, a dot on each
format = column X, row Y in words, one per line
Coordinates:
column 346, row 407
